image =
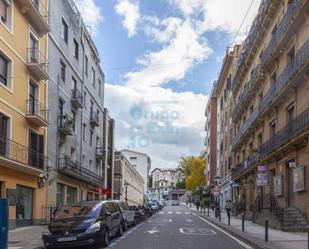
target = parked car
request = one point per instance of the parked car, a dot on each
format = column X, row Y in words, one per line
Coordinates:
column 175, row 203
column 84, row 223
column 154, row 207
column 128, row 216
column 139, row 214
column 147, row 211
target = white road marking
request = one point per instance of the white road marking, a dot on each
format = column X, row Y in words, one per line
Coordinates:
column 170, row 212
column 188, row 220
column 161, row 212
column 197, row 231
column 14, row 247
column 187, row 213
column 154, row 230
column 178, row 212
column 226, row 233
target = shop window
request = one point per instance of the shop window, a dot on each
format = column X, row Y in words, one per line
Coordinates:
column 60, row 194
column 71, row 195
column 24, row 205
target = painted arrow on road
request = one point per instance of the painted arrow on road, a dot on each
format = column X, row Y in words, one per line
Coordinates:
column 154, row 230
column 189, row 220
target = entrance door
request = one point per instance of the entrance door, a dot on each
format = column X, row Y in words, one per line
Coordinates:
column 291, row 193
column 24, row 206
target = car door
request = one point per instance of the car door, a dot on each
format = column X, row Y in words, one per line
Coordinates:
column 115, row 217
column 129, row 214
column 106, row 220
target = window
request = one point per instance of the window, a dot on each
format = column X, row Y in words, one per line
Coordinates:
column 76, row 49
column 259, row 140
column 291, row 54
column 290, row 113
column 74, row 83
column 84, row 132
column 100, row 88
column 272, row 127
column 71, row 195
column 62, row 71
column 32, row 106
column 36, row 146
column 90, row 164
column 60, row 194
column 86, row 65
column 74, row 121
column 133, row 158
column 3, row 11
column 3, row 70
column 90, row 137
column 93, row 76
column 33, row 49
column 4, row 125
column 273, row 77
column 65, row 31
column 85, row 101
column 97, row 143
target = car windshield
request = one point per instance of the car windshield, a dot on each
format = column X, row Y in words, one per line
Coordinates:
column 77, row 210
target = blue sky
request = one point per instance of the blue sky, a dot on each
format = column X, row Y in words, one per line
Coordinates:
column 160, row 58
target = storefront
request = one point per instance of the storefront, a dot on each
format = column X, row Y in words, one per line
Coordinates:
column 24, row 206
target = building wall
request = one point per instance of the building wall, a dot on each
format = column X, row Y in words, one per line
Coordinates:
column 15, row 167
column 79, row 147
column 166, row 177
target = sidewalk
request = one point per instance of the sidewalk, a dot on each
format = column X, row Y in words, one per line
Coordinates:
column 254, row 234
column 26, row 237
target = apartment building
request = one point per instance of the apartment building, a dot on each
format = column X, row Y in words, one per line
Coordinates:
column 210, row 141
column 270, row 114
column 128, row 183
column 163, row 181
column 76, row 90
column 23, row 108
column 223, row 94
column 108, row 154
column 142, row 162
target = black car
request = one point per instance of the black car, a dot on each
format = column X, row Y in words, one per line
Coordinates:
column 83, row 224
column 139, row 214
column 147, row 211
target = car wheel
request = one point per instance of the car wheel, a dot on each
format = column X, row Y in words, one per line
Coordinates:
column 125, row 226
column 106, row 238
column 120, row 231
column 134, row 222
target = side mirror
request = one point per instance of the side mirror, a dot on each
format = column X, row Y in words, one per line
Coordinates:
column 108, row 213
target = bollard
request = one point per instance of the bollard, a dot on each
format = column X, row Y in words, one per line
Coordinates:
column 229, row 219
column 266, row 230
column 204, row 210
column 308, row 239
column 243, row 223
column 4, row 223
column 208, row 212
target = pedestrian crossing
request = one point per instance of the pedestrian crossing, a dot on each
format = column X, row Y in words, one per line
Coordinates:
column 170, row 212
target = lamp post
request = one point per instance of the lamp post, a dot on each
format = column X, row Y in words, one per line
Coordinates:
column 126, row 184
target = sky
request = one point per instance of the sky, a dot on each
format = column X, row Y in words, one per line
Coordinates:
column 160, row 58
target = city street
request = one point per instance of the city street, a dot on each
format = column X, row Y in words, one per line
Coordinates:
column 175, row 227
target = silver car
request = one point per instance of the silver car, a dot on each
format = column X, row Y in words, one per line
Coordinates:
column 128, row 216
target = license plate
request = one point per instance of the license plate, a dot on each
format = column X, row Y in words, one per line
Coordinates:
column 65, row 239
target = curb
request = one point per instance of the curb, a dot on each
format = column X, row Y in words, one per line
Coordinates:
column 244, row 237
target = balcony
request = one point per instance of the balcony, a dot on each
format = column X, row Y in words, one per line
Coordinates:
column 37, row 64
column 37, row 113
column 299, row 62
column 77, row 98
column 99, row 153
column 256, row 75
column 245, row 128
column 65, row 125
column 298, row 126
column 19, row 157
column 245, row 165
column 74, row 169
column 94, row 119
column 251, row 41
column 282, row 30
column 37, row 14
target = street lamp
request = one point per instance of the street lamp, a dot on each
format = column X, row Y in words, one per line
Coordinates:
column 126, row 184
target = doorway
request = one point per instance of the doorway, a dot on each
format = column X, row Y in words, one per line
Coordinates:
column 291, row 194
column 24, row 206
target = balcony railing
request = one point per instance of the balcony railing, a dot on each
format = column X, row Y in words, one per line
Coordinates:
column 242, row 131
column 94, row 119
column 77, row 98
column 282, row 29
column 37, row 14
column 21, row 154
column 250, row 40
column 37, row 63
column 256, row 74
column 68, row 166
column 65, row 124
column 292, row 129
column 246, row 164
column 300, row 59
column 37, row 112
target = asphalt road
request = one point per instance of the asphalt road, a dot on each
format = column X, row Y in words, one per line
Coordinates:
column 174, row 227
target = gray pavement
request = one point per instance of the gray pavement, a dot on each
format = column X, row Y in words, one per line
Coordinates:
column 175, row 228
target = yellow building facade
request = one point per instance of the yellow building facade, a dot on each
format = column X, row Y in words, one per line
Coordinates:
column 23, row 111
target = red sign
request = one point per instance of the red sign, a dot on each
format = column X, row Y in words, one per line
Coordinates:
column 106, row 191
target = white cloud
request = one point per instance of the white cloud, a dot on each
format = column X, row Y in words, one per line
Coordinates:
column 91, row 13
column 129, row 10
column 178, row 132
